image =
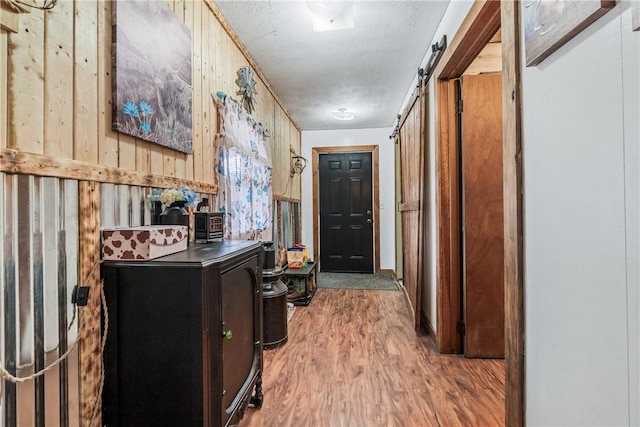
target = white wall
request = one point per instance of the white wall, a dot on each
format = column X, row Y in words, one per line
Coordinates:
column 354, row 137
column 580, row 160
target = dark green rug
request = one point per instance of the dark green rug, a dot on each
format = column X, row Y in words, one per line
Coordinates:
column 382, row 282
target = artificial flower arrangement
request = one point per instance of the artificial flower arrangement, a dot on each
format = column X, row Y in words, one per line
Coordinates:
column 172, row 195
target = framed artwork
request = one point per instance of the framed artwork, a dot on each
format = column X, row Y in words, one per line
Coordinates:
column 151, row 74
column 549, row 24
column 635, row 9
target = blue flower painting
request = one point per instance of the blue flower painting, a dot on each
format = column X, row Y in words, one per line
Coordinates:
column 152, row 89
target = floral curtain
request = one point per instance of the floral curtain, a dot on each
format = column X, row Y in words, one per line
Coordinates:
column 244, row 175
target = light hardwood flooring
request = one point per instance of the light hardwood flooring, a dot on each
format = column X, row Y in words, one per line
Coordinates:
column 353, row 359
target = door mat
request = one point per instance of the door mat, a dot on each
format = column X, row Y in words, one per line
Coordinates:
column 373, row 282
column 290, row 310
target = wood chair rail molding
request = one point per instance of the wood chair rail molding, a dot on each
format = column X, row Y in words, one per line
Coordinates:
column 18, row 162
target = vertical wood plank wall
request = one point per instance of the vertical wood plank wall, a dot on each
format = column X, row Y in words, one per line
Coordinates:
column 57, row 75
column 55, row 120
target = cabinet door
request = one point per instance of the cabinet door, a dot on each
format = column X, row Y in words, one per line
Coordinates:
column 240, row 356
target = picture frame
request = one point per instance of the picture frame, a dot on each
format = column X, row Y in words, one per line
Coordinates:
column 152, row 74
column 549, row 24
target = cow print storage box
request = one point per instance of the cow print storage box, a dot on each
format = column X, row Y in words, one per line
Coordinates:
column 146, row 242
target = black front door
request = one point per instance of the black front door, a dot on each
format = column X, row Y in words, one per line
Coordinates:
column 346, row 218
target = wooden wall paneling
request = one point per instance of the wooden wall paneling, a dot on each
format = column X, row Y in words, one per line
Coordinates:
column 189, row 18
column 219, row 61
column 223, row 70
column 170, row 157
column 133, row 154
column 85, row 146
column 26, row 86
column 143, row 155
column 284, row 156
column 156, row 156
column 262, row 104
column 19, row 162
column 232, row 65
column 197, row 59
column 513, row 227
column 58, row 83
column 130, row 154
column 236, row 60
column 89, row 256
column 269, row 110
column 180, row 158
column 290, row 181
column 276, row 152
column 4, row 86
column 107, row 138
column 294, row 139
column 209, row 112
column 133, row 151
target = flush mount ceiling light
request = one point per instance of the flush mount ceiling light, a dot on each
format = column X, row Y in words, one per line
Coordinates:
column 331, row 15
column 343, row 114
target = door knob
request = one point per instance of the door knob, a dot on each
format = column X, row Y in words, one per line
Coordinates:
column 369, row 212
column 369, row 221
column 227, row 334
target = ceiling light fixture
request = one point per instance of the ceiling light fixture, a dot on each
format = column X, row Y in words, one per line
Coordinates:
column 331, row 15
column 343, row 114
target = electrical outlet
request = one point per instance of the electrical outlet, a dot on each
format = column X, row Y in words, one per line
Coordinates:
column 80, row 295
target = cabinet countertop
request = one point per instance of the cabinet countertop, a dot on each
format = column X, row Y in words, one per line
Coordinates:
column 197, row 254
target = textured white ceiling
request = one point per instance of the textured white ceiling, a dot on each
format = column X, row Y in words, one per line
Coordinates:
column 367, row 69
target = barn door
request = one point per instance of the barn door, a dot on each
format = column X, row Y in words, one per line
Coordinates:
column 482, row 215
column 411, row 173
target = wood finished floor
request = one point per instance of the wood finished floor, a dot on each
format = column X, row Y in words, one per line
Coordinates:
column 353, row 359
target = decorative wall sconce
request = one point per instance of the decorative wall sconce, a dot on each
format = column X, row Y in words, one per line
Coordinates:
column 298, row 163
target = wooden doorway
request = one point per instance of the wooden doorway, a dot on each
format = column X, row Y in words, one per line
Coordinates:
column 346, row 212
column 482, row 22
column 375, row 211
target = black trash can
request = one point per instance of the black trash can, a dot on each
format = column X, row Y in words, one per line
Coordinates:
column 274, row 298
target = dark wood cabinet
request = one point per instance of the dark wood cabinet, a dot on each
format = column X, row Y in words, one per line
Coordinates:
column 184, row 344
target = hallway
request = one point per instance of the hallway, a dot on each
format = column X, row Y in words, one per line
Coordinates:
column 352, row 359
